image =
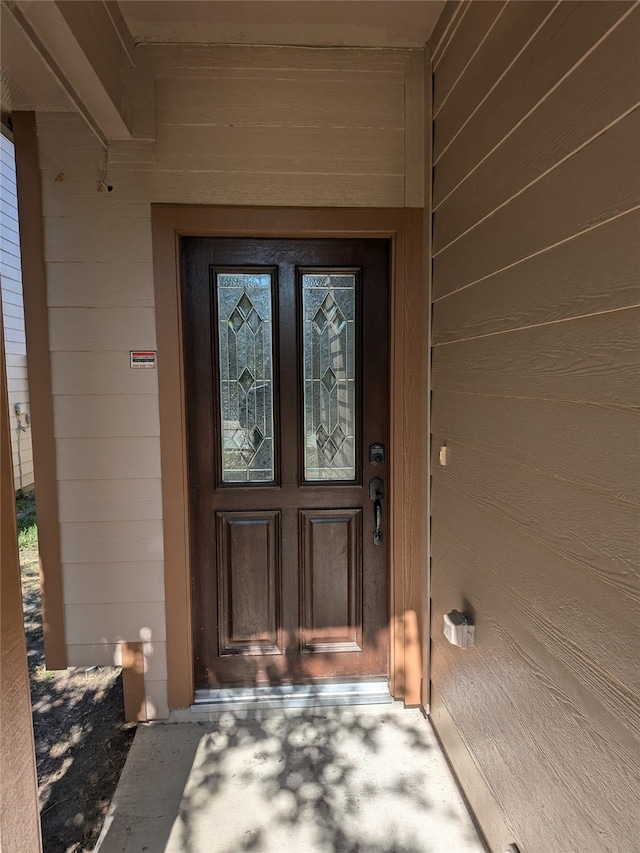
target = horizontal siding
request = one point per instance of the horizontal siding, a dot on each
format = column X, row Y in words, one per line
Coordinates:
column 110, row 500
column 108, row 623
column 102, row 329
column 536, row 379
column 97, row 373
column 13, row 318
column 553, row 50
column 590, row 274
column 533, row 432
column 113, row 583
column 597, row 93
column 591, row 359
column 112, row 542
column 113, row 415
column 115, row 458
column 555, row 208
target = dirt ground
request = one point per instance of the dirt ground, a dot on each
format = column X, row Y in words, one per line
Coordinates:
column 81, row 738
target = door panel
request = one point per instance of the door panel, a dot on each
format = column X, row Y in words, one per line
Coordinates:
column 249, row 582
column 286, row 352
column 331, row 580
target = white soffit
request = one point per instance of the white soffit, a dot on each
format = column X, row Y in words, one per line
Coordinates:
column 313, row 23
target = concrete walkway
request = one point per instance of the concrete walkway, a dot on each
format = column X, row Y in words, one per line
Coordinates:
column 337, row 780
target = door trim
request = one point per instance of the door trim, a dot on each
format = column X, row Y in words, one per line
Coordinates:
column 408, row 369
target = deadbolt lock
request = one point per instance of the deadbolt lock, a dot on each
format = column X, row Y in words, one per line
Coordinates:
column 376, row 454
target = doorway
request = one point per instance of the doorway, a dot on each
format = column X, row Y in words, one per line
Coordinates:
column 286, row 363
column 407, row 500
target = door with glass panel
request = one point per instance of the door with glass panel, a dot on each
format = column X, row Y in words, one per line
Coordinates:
column 286, row 376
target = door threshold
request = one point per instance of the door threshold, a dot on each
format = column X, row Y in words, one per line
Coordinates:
column 291, row 696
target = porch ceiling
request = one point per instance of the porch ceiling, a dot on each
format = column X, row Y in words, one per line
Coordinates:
column 356, row 23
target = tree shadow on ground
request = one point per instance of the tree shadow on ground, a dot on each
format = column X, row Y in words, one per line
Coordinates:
column 81, row 738
column 330, row 780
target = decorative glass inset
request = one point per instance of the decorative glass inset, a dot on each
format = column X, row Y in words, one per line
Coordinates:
column 246, row 376
column 329, row 353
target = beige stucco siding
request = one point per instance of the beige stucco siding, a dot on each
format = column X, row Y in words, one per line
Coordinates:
column 234, row 126
column 13, row 314
column 535, row 392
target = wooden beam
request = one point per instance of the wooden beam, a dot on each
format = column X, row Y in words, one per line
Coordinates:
column 86, row 53
column 19, row 813
column 36, row 321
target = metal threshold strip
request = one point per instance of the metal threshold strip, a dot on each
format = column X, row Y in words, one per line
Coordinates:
column 373, row 692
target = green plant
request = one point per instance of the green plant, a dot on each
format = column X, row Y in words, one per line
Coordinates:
column 26, row 515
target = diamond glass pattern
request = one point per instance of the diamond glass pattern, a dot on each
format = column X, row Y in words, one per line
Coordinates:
column 329, row 347
column 246, row 376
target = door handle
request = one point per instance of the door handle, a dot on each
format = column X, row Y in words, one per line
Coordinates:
column 376, row 493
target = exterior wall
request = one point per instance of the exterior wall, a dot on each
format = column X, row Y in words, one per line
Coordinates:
column 13, row 314
column 260, row 126
column 535, row 393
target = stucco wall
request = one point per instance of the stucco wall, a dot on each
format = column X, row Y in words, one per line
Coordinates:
column 266, row 126
column 535, row 393
column 13, row 314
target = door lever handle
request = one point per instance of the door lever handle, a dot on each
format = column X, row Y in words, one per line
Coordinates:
column 376, row 493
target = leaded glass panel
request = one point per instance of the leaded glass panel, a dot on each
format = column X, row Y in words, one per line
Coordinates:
column 329, row 356
column 246, row 376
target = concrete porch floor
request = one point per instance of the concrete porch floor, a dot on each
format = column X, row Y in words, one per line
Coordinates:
column 367, row 779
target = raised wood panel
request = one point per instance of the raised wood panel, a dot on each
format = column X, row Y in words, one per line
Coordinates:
column 78, row 415
column 109, row 500
column 113, row 582
column 595, row 272
column 260, row 189
column 477, row 21
column 91, row 329
column 596, row 184
column 598, row 533
column 100, row 373
column 576, row 442
column 249, row 583
column 514, row 28
column 565, row 38
column 331, row 580
column 120, row 458
column 548, row 589
column 269, row 99
column 510, row 690
column 110, row 284
column 593, row 359
column 136, row 541
column 106, row 623
column 298, row 150
column 603, row 88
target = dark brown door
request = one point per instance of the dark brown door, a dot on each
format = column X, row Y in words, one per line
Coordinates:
column 286, row 355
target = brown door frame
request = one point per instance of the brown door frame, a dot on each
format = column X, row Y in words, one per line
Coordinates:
column 404, row 227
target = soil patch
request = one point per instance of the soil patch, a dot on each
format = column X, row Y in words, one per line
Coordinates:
column 81, row 738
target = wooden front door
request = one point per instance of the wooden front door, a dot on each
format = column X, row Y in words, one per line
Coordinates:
column 286, row 373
